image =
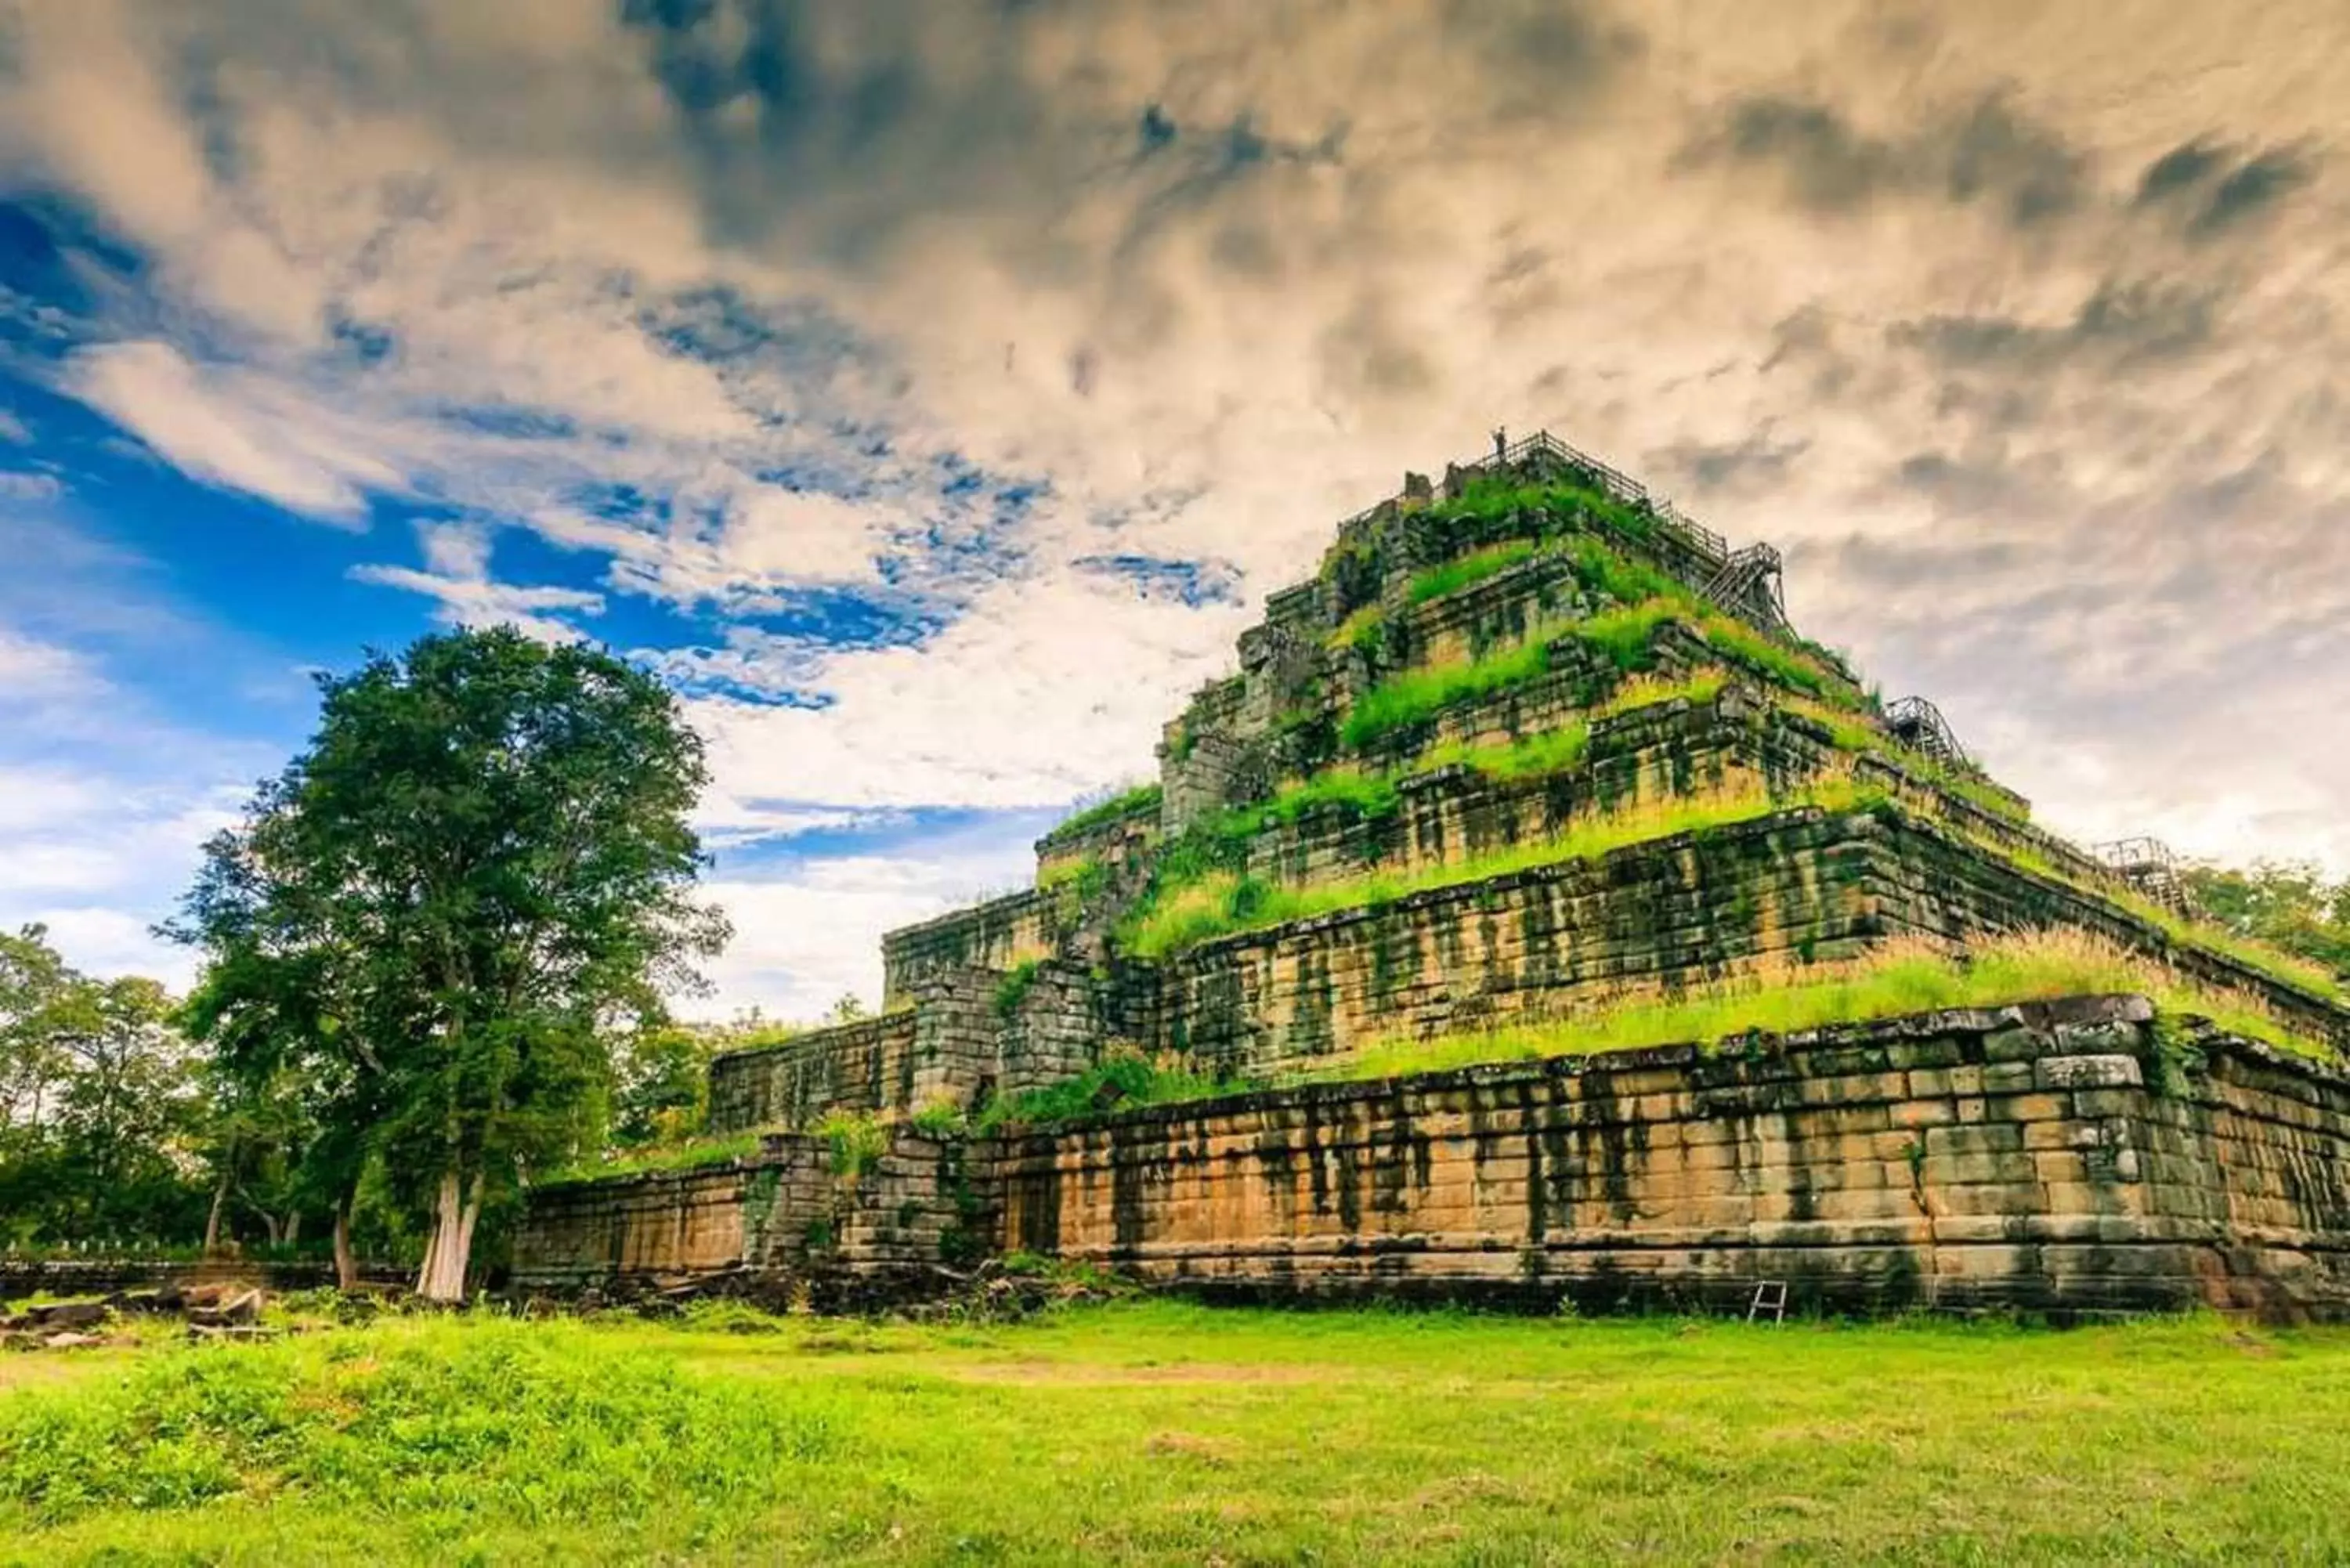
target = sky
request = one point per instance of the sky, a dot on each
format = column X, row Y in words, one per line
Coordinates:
column 931, row 392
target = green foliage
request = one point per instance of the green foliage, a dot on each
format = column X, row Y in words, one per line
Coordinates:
column 661, row 1089
column 1537, row 756
column 1624, row 579
column 1088, row 876
column 937, row 1118
column 1219, row 903
column 1562, row 750
column 1462, row 571
column 857, row 1141
column 1626, row 636
column 1140, row 800
column 1888, row 981
column 2208, row 935
column 1366, row 628
column 104, row 1112
column 686, row 1154
column 418, row 1431
column 438, row 912
column 2289, row 905
column 1370, row 795
column 1119, row 1080
column 1551, row 506
column 1741, row 645
column 1172, row 1432
column 1414, row 696
column 1014, row 988
column 1856, row 736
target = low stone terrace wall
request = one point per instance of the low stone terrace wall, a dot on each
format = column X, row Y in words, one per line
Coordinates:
column 1536, row 943
column 999, row 934
column 785, row 1216
column 2027, row 1157
column 2068, row 1158
column 1454, row 814
column 864, row 1066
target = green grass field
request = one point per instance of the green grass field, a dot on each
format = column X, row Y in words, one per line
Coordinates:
column 1162, row 1432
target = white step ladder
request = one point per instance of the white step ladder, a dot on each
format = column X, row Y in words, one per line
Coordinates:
column 1771, row 1296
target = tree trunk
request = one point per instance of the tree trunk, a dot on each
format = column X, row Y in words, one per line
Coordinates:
column 268, row 1224
column 212, row 1221
column 442, row 1277
column 346, row 1271
column 293, row 1225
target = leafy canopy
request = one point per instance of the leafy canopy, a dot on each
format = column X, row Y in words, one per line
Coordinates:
column 478, row 875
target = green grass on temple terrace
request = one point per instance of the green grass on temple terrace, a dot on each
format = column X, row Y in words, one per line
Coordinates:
column 1164, row 1432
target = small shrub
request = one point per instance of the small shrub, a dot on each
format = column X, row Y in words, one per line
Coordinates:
column 1014, row 988
column 857, row 1142
column 1120, row 1079
column 940, row 1117
column 1138, row 801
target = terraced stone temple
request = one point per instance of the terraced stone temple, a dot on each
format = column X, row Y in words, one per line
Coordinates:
column 1376, row 988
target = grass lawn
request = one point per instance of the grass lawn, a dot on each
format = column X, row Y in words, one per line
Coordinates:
column 1161, row 1432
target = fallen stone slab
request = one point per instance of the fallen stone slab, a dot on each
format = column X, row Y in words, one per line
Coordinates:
column 66, row 1314
column 238, row 1310
column 72, row 1341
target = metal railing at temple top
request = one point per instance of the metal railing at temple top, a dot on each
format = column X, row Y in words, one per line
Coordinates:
column 1621, row 485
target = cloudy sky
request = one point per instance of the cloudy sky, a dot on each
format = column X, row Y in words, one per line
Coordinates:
column 933, row 390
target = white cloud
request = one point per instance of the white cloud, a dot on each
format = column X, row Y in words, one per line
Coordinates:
column 99, row 861
column 31, row 669
column 17, row 485
column 238, row 430
column 747, row 356
column 457, row 576
column 811, row 935
column 1042, row 688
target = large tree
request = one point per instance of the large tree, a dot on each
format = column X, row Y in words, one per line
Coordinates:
column 439, row 916
column 100, row 1110
column 2288, row 903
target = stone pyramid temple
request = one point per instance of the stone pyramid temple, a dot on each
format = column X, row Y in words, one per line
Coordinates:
column 1363, row 994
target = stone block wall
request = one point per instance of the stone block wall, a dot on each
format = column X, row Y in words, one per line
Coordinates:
column 1924, row 879
column 2024, row 1158
column 864, row 1066
column 1055, row 1028
column 1454, row 814
column 786, row 1215
column 1540, row 942
column 2067, row 1157
column 997, row 935
column 1491, row 952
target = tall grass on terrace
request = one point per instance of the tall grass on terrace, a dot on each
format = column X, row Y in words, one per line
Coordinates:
column 693, row 1154
column 2274, row 962
column 1624, row 635
column 1856, row 738
column 1452, row 575
column 1557, row 751
column 1412, row 695
column 1124, row 1081
column 1225, row 903
column 1131, row 801
column 1894, row 978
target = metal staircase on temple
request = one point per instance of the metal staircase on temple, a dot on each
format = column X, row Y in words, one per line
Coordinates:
column 1918, row 724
